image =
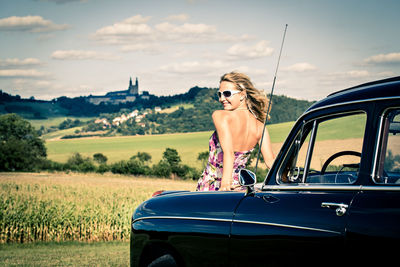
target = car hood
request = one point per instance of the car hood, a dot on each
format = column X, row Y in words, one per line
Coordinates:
column 211, row 205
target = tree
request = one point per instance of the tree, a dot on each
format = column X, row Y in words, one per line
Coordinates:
column 20, row 146
column 172, row 157
column 142, row 156
column 100, row 158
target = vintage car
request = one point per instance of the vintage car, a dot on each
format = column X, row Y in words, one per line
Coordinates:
column 332, row 194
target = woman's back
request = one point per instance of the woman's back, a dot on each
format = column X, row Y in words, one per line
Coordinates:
column 239, row 127
column 244, row 128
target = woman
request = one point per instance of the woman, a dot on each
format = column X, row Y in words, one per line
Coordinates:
column 239, row 128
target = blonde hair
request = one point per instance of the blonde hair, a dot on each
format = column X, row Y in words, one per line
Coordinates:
column 256, row 100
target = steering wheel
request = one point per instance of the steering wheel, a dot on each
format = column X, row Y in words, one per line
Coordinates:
column 336, row 155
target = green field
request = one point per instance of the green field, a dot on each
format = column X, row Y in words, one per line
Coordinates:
column 188, row 145
column 122, row 148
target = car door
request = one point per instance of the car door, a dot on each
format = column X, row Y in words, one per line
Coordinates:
column 302, row 216
column 374, row 217
column 289, row 226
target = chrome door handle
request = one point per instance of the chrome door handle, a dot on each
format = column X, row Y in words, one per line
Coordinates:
column 340, row 207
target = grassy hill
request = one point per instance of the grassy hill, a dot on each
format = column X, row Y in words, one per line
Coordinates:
column 188, row 145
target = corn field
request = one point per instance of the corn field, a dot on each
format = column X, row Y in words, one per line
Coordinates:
column 73, row 207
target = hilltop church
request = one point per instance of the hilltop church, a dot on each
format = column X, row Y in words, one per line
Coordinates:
column 116, row 97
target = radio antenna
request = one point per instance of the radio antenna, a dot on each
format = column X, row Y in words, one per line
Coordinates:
column 270, row 99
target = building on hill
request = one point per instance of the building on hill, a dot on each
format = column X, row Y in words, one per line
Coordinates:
column 116, row 97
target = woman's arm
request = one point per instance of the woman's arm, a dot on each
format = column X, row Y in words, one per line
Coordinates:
column 266, row 150
column 221, row 122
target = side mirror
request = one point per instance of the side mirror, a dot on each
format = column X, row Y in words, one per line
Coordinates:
column 248, row 179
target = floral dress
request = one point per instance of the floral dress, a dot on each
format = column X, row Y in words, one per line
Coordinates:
column 210, row 180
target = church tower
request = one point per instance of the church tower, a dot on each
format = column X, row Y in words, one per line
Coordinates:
column 133, row 89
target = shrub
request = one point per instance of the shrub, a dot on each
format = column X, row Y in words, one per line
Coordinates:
column 119, row 167
column 49, row 165
column 132, row 166
column 103, row 168
column 162, row 169
column 191, row 173
column 80, row 164
column 137, row 167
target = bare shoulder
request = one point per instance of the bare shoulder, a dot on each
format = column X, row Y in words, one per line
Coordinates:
column 221, row 115
column 260, row 128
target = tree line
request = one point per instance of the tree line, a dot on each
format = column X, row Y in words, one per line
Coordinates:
column 21, row 149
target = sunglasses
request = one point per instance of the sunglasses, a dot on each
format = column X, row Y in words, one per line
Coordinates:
column 228, row 93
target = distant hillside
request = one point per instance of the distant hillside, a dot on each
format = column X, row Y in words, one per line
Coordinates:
column 79, row 107
column 192, row 117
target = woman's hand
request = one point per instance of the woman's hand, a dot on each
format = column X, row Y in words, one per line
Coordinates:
column 229, row 187
column 225, row 188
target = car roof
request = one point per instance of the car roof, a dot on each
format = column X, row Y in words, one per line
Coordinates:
column 381, row 89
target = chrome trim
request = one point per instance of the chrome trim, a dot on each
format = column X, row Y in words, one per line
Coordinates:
column 235, row 221
column 377, row 145
column 310, row 150
column 314, row 187
column 391, row 187
column 287, row 226
column 378, row 142
column 182, row 218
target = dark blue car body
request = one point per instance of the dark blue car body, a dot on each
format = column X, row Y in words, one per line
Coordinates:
column 309, row 210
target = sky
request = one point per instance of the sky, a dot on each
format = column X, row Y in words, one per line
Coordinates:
column 53, row 48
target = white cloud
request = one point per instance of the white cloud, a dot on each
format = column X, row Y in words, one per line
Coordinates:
column 391, row 58
column 11, row 63
column 301, row 67
column 149, row 48
column 136, row 30
column 186, row 28
column 18, row 73
column 81, row 55
column 178, row 18
column 357, row 73
column 194, row 67
column 126, row 29
column 35, row 24
column 137, row 19
column 241, row 51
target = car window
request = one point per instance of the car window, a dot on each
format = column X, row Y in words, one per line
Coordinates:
column 389, row 149
column 328, row 151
